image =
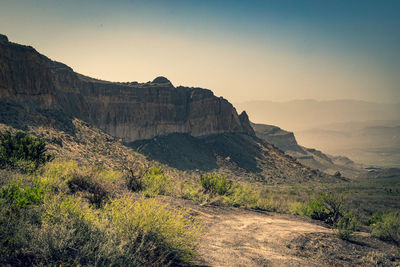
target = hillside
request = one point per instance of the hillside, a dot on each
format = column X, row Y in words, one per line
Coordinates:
column 184, row 128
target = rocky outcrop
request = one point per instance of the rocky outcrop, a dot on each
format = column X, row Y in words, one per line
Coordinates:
column 280, row 138
column 132, row 111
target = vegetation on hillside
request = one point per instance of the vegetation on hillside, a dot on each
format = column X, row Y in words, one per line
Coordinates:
column 63, row 213
column 22, row 151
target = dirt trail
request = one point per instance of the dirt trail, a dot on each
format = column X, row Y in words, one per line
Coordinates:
column 236, row 237
column 239, row 237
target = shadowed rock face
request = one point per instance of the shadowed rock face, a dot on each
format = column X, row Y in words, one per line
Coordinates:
column 132, row 111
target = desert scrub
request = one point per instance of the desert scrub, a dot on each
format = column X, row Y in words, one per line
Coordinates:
column 244, row 196
column 174, row 232
column 328, row 207
column 346, row 225
column 18, row 196
column 22, row 152
column 216, row 184
column 387, row 227
column 194, row 192
column 39, row 226
column 331, row 208
column 155, row 182
column 96, row 184
column 19, row 214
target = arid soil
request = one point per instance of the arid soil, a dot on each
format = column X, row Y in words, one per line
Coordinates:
column 238, row 237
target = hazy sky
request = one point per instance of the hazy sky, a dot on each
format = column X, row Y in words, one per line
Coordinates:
column 242, row 50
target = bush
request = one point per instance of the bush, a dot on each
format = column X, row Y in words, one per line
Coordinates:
column 215, row 184
column 346, row 225
column 133, row 180
column 23, row 152
column 19, row 197
column 328, row 207
column 95, row 192
column 387, row 227
column 156, row 183
column 69, row 233
column 243, row 195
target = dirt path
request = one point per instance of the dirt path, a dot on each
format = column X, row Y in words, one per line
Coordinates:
column 238, row 237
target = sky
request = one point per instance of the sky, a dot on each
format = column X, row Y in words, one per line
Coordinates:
column 242, row 50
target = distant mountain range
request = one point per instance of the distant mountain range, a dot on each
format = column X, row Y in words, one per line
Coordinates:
column 301, row 115
column 366, row 132
column 375, row 143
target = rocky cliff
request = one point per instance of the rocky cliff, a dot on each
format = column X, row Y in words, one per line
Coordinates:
column 132, row 111
column 280, row 138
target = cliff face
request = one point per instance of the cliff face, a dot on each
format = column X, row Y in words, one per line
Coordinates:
column 280, row 138
column 131, row 111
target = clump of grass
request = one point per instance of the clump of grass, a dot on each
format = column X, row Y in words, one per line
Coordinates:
column 244, row 196
column 173, row 231
column 150, row 182
column 216, row 184
column 217, row 188
column 387, row 227
column 96, row 184
column 155, row 182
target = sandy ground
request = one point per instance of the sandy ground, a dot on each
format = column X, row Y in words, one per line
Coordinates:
column 236, row 237
column 239, row 237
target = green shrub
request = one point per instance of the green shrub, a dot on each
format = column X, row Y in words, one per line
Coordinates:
column 315, row 209
column 375, row 218
column 328, row 207
column 69, row 233
column 17, row 196
column 346, row 225
column 23, row 152
column 194, row 192
column 62, row 230
column 155, row 182
column 215, row 184
column 387, row 227
column 243, row 195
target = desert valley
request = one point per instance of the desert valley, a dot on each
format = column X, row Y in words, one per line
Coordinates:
column 289, row 157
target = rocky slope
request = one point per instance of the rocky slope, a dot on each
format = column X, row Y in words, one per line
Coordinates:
column 186, row 129
column 131, row 111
